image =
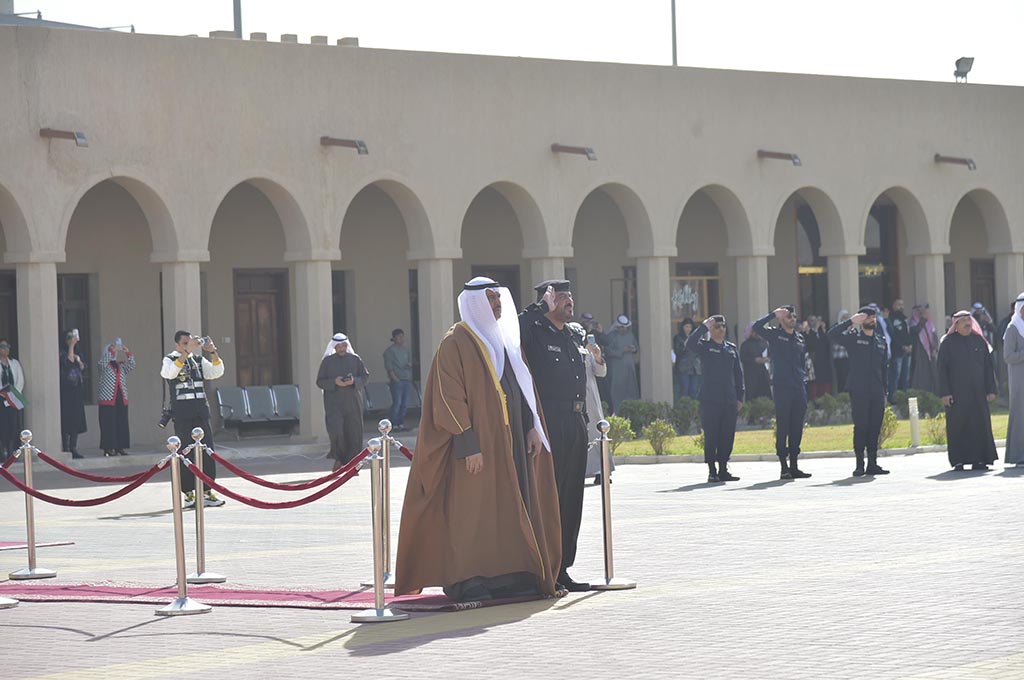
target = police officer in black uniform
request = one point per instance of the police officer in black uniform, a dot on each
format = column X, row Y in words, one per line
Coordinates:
column 553, row 353
column 866, row 383
column 721, row 395
column 788, row 352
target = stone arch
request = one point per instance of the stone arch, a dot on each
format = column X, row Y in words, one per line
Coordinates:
column 634, row 213
column 417, row 223
column 15, row 227
column 997, row 226
column 912, row 216
column 737, row 223
column 162, row 230
column 830, row 224
column 297, row 234
column 531, row 221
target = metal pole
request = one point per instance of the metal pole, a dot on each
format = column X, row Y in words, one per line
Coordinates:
column 674, row 62
column 609, row 582
column 386, row 440
column 183, row 604
column 30, row 519
column 238, row 18
column 915, row 422
column 379, row 613
column 201, row 575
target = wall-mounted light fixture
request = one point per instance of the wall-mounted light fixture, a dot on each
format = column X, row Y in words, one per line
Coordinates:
column 579, row 150
column 357, row 144
column 780, row 156
column 956, row 160
column 118, row 28
column 963, row 67
column 78, row 137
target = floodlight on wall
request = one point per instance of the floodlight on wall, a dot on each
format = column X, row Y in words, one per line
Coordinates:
column 78, row 137
column 38, row 13
column 357, row 144
column 956, row 160
column 780, row 156
column 963, row 67
column 578, row 150
column 119, row 28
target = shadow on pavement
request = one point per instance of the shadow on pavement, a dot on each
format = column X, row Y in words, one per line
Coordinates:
column 950, row 475
column 694, row 487
column 1012, row 472
column 760, row 486
column 133, row 515
column 848, row 481
column 423, row 629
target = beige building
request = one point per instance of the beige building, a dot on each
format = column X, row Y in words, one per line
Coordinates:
column 205, row 199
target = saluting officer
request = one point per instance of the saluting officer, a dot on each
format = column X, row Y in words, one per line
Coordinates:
column 866, row 383
column 788, row 351
column 560, row 374
column 721, row 395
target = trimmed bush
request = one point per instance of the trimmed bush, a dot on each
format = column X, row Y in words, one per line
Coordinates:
column 889, row 424
column 619, row 432
column 935, row 429
column 685, row 414
column 642, row 413
column 928, row 404
column 759, row 412
column 658, row 433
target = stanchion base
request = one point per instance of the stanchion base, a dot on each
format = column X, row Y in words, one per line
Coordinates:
column 378, row 616
column 184, row 606
column 612, row 584
column 26, row 574
column 7, row 603
column 205, row 577
column 389, row 582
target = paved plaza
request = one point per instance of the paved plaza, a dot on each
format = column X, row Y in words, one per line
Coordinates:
column 914, row 575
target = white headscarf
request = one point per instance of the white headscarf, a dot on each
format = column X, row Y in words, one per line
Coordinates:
column 1018, row 322
column 337, row 340
column 500, row 337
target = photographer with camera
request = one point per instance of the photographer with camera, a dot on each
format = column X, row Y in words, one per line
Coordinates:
column 185, row 370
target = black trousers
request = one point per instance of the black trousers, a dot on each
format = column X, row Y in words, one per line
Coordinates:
column 9, row 433
column 568, row 435
column 790, row 409
column 718, row 420
column 114, row 431
column 183, row 430
column 868, row 409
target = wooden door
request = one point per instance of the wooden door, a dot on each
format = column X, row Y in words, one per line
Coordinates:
column 260, row 312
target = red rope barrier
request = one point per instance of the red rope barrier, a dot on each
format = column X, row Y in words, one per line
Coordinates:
column 84, row 503
column 405, row 451
column 297, row 486
column 9, row 462
column 265, row 505
column 87, row 475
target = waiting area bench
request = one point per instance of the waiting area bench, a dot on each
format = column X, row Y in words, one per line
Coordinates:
column 259, row 407
column 378, row 399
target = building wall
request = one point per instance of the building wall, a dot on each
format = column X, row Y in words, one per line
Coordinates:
column 491, row 235
column 702, row 238
column 599, row 254
column 968, row 241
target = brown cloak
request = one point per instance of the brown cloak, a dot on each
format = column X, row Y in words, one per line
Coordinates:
column 456, row 525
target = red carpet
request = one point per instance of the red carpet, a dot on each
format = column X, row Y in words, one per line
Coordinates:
column 21, row 545
column 233, row 596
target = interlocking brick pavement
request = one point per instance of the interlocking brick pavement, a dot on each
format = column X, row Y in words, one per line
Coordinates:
column 915, row 575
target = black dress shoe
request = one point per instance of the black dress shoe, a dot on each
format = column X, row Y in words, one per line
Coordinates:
column 979, row 466
column 958, row 468
column 726, row 476
column 876, row 470
column 798, row 474
column 566, row 582
column 76, row 455
column 858, row 471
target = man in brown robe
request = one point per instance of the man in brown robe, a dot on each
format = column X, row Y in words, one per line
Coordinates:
column 481, row 515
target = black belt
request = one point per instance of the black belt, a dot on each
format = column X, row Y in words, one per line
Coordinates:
column 578, row 406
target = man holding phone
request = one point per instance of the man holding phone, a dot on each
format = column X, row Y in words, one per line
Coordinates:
column 186, row 370
column 341, row 376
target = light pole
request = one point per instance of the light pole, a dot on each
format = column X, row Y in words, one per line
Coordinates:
column 238, row 19
column 674, row 62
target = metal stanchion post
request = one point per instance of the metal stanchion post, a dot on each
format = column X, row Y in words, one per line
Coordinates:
column 379, row 614
column 915, row 422
column 201, row 575
column 30, row 519
column 183, row 604
column 386, row 440
column 609, row 582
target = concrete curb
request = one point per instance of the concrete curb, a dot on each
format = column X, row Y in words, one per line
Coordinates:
column 764, row 457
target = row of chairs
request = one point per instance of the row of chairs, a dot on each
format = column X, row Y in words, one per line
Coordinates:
column 259, row 404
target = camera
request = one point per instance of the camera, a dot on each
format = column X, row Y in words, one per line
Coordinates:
column 165, row 417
